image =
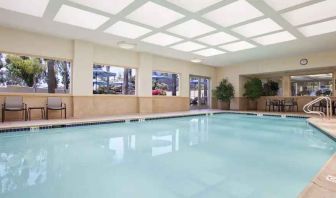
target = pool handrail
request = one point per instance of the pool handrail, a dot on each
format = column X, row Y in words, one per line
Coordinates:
column 307, row 107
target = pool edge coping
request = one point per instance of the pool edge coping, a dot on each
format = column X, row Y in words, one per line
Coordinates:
column 135, row 118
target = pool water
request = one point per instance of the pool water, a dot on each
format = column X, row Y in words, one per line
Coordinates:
column 221, row 156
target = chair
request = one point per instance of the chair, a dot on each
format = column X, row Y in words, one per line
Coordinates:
column 55, row 104
column 290, row 103
column 268, row 105
column 14, row 103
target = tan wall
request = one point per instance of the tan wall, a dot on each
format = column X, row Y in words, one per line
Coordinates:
column 163, row 104
column 84, row 54
column 238, row 73
column 89, row 106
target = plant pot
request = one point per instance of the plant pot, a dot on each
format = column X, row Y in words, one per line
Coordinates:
column 252, row 105
column 224, row 105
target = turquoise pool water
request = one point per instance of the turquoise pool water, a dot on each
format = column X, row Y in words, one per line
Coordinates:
column 221, row 156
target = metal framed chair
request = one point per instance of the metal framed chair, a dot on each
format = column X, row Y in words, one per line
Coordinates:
column 268, row 105
column 55, row 104
column 14, row 103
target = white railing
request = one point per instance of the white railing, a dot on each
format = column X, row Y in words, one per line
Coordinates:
column 308, row 107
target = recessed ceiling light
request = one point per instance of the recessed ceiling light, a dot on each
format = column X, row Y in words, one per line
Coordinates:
column 275, row 38
column 217, row 38
column 283, row 4
column 233, row 13
column 315, row 12
column 319, row 28
column 191, row 29
column 161, row 39
column 188, row 46
column 112, row 7
column 209, row 52
column 30, row 7
column 80, row 18
column 127, row 30
column 237, row 46
column 124, row 45
column 194, row 5
column 258, row 28
column 196, row 60
column 154, row 15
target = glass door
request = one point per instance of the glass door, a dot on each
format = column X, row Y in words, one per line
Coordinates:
column 199, row 92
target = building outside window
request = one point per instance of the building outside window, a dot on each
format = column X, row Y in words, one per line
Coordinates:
column 312, row 85
column 113, row 80
column 28, row 74
column 165, row 84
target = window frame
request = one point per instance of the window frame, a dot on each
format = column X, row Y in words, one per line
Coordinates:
column 165, row 71
column 121, row 66
column 44, row 57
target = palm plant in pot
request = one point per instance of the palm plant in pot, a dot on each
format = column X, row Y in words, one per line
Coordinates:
column 253, row 91
column 224, row 92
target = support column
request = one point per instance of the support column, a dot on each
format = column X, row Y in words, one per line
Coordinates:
column 286, row 86
column 144, row 79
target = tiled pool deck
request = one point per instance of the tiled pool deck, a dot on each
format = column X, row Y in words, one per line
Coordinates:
column 322, row 186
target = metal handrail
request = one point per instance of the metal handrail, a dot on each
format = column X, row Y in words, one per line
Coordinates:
column 307, row 107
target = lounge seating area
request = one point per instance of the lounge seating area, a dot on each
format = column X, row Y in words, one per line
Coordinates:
column 283, row 105
column 16, row 104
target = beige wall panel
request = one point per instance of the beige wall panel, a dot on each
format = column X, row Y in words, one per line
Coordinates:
column 163, row 104
column 145, row 105
column 89, row 106
column 27, row 43
column 115, row 56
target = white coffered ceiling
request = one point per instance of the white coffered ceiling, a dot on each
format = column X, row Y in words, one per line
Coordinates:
column 220, row 32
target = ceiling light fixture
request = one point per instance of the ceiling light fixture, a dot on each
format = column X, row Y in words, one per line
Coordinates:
column 233, row 13
column 196, row 60
column 30, row 7
column 127, row 30
column 124, row 45
column 312, row 13
column 275, row 38
column 154, row 15
column 111, row 7
column 80, row 18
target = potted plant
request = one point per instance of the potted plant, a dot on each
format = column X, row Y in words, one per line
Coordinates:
column 253, row 91
column 224, row 92
column 271, row 88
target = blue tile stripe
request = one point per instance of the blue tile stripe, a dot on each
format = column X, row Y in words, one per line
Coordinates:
column 53, row 126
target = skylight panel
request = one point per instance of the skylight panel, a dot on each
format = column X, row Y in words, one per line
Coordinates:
column 258, row 28
column 234, row 13
column 127, row 30
column 312, row 13
column 161, row 39
column 112, row 7
column 30, row 7
column 188, row 46
column 154, row 15
column 217, row 38
column 191, row 28
column 275, row 38
column 319, row 28
column 194, row 5
column 209, row 52
column 283, row 4
column 80, row 18
column 237, row 46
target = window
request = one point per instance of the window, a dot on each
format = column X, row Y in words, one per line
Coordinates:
column 27, row 74
column 312, row 85
column 165, row 84
column 113, row 80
